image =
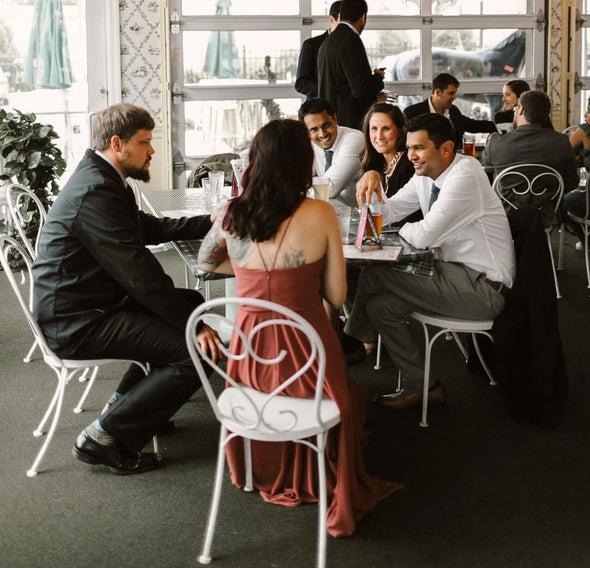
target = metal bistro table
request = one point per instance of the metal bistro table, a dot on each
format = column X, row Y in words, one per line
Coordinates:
column 186, row 202
column 411, row 259
column 181, row 203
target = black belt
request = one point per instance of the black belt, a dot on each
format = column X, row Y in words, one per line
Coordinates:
column 499, row 287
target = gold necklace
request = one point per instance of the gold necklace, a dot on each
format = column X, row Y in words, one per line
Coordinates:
column 388, row 170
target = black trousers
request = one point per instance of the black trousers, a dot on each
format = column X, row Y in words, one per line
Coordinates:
column 149, row 401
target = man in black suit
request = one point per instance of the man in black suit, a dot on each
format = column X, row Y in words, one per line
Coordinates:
column 444, row 93
column 100, row 293
column 345, row 76
column 306, row 82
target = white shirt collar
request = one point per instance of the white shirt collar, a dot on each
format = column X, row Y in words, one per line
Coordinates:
column 109, row 161
column 351, row 27
column 446, row 112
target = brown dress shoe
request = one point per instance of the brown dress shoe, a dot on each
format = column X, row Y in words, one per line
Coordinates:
column 404, row 400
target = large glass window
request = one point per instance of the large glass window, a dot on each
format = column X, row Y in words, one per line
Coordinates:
column 234, row 62
column 59, row 99
column 240, row 7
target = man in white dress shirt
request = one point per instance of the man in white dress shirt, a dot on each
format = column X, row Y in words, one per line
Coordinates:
column 336, row 148
column 465, row 223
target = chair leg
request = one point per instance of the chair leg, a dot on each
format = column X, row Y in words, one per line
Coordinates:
column 481, row 358
column 205, row 557
column 460, row 345
column 426, row 379
column 560, row 246
column 553, row 265
column 399, row 382
column 377, row 366
column 40, row 430
column 29, row 356
column 322, row 505
column 248, row 465
column 56, row 405
column 79, row 407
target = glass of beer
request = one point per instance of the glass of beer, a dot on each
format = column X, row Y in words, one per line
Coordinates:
column 376, row 209
column 469, row 144
column 321, row 188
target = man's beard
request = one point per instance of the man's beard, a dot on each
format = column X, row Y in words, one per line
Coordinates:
column 138, row 173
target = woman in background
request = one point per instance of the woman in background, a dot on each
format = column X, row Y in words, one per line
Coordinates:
column 385, row 152
column 285, row 247
column 510, row 93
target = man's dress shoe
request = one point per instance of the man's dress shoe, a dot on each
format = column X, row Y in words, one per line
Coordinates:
column 404, row 400
column 116, row 457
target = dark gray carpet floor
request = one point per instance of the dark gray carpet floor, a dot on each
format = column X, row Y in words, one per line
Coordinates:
column 481, row 490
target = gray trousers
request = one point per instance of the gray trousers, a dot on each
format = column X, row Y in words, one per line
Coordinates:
column 385, row 297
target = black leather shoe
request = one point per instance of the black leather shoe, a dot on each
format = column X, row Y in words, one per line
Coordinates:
column 116, row 457
column 354, row 350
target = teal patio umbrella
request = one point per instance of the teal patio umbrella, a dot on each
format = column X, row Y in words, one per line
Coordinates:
column 47, row 64
column 221, row 58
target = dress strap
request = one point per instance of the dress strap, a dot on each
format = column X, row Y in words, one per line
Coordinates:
column 278, row 248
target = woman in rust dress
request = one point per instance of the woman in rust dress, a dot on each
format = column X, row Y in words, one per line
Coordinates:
column 285, row 247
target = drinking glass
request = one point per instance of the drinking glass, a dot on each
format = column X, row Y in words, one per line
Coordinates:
column 321, row 188
column 469, row 144
column 376, row 209
column 216, row 180
column 344, row 222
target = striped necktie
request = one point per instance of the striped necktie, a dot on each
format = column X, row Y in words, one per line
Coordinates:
column 435, row 190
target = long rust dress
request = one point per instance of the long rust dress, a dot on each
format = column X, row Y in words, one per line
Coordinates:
column 285, row 473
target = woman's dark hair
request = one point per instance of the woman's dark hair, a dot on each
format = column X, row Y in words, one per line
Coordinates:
column 275, row 182
column 370, row 158
column 518, row 86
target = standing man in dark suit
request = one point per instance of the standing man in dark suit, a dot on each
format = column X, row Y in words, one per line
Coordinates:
column 444, row 92
column 345, row 76
column 306, row 82
column 529, row 143
column 99, row 293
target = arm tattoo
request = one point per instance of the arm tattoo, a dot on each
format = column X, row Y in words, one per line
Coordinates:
column 212, row 251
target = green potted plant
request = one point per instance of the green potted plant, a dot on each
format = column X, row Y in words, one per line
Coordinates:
column 28, row 154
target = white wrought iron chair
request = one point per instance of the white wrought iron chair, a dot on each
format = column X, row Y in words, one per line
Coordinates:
column 570, row 129
column 534, row 184
column 585, row 224
column 450, row 328
column 65, row 369
column 254, row 415
column 26, row 211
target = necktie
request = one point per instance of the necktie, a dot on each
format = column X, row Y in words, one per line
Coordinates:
column 328, row 154
column 433, row 195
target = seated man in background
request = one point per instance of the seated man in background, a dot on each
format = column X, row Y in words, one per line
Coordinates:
column 530, row 143
column 306, row 81
column 475, row 260
column 444, row 92
column 99, row 293
column 336, row 148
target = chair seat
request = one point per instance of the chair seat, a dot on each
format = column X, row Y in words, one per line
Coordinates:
column 274, row 418
column 456, row 324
